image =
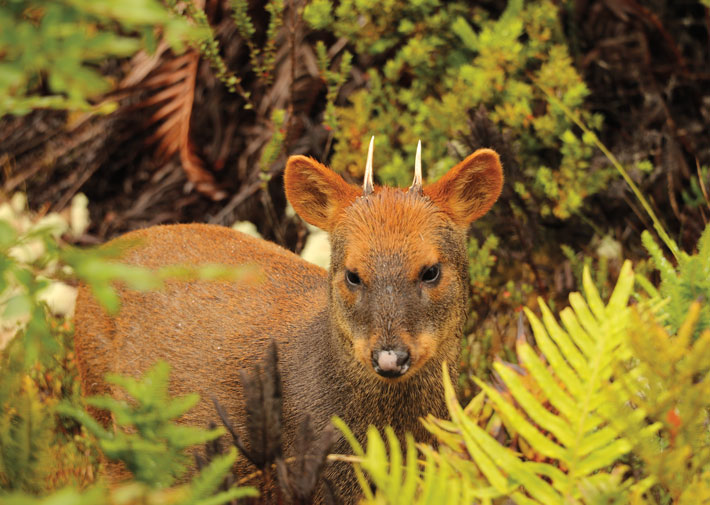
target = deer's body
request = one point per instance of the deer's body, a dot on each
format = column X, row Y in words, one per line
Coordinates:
column 364, row 341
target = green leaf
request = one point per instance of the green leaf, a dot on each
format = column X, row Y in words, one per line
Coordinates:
column 395, row 466
column 318, row 14
column 558, row 397
column 106, row 296
column 594, row 301
column 567, row 347
column 18, row 306
column 537, row 412
column 7, row 234
column 235, row 493
column 464, row 31
column 533, row 408
column 552, row 353
column 204, row 485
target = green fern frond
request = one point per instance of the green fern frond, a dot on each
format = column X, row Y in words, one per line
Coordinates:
column 25, row 437
column 204, row 486
column 403, row 479
column 560, row 406
column 683, row 284
column 147, row 440
column 667, row 422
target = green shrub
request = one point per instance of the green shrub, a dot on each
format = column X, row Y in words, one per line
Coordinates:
column 682, row 285
column 439, row 61
column 145, row 437
column 58, row 47
column 203, row 489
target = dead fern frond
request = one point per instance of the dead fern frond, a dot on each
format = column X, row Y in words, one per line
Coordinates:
column 172, row 86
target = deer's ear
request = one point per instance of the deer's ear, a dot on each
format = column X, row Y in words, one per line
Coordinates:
column 470, row 189
column 317, row 193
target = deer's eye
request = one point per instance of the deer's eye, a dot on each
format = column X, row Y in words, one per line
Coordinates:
column 431, row 274
column 353, row 278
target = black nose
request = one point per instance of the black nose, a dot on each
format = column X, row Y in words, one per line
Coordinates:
column 392, row 362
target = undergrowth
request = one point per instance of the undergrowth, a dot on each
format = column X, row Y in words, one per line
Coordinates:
column 436, row 62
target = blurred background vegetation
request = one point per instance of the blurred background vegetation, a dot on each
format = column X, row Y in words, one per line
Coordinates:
column 115, row 116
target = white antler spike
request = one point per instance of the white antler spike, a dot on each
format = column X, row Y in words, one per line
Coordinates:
column 417, row 183
column 367, row 185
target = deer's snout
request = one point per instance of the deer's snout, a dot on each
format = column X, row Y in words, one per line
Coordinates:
column 391, row 362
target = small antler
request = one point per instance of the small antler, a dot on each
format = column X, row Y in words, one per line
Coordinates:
column 416, row 186
column 367, row 185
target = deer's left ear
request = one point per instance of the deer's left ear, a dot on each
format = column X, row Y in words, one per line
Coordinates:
column 470, row 189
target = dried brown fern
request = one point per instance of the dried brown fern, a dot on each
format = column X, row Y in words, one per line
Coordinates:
column 172, row 87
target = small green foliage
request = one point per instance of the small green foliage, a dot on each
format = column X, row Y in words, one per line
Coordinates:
column 30, row 436
column 318, row 14
column 684, row 284
column 207, row 42
column 66, row 496
column 480, row 262
column 36, row 366
column 264, row 70
column 273, row 149
column 26, row 425
column 696, row 195
column 446, row 59
column 403, row 481
column 333, row 80
column 202, row 490
column 242, row 20
column 146, row 439
column 263, row 59
column 670, row 386
column 645, row 166
column 60, row 45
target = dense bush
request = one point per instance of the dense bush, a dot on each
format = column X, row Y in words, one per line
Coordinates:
column 436, row 62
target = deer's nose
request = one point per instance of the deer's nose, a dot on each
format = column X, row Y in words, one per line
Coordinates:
column 391, row 362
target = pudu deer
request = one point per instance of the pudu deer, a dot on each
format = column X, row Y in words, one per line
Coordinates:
column 365, row 340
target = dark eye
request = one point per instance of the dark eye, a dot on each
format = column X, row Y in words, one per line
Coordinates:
column 431, row 274
column 352, row 278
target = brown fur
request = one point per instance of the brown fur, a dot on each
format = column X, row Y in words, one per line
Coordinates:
column 326, row 330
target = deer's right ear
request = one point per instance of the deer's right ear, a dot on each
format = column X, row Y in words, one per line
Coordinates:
column 317, row 193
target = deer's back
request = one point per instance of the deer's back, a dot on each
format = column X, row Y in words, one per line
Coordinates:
column 206, row 330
